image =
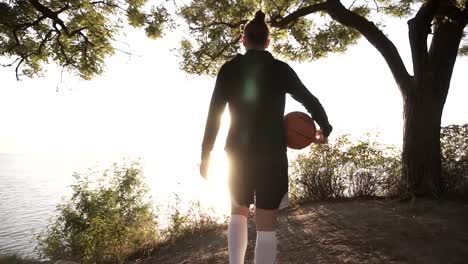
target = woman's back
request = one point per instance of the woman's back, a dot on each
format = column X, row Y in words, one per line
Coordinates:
column 254, row 85
column 255, row 94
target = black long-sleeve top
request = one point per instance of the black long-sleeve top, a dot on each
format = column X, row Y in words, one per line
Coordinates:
column 254, row 86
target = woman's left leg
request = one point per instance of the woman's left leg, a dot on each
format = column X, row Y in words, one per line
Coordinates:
column 237, row 234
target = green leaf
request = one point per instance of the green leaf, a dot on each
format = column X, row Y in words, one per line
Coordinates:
column 463, row 51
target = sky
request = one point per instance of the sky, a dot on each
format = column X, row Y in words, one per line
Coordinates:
column 132, row 104
column 144, row 106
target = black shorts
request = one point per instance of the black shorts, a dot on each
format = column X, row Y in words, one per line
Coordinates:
column 262, row 177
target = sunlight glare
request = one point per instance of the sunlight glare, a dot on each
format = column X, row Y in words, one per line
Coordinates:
column 218, row 176
column 217, row 192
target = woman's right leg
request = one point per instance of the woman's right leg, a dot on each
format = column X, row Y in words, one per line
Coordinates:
column 237, row 234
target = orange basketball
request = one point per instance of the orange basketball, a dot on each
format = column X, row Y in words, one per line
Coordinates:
column 300, row 130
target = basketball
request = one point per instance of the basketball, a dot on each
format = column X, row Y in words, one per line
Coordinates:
column 300, row 130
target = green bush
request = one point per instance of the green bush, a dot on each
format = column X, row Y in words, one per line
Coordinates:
column 345, row 168
column 107, row 218
column 454, row 145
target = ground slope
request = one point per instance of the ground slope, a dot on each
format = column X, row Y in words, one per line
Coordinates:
column 358, row 231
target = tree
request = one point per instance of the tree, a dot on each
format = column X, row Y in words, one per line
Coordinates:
column 76, row 35
column 310, row 29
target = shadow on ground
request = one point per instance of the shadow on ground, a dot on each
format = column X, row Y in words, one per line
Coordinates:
column 358, row 231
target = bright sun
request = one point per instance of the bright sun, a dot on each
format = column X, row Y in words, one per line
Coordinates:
column 217, row 192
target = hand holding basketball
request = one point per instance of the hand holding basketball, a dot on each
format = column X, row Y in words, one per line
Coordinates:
column 320, row 138
column 301, row 131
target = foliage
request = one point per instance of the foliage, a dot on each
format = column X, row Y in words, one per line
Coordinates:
column 109, row 218
column 306, row 42
column 454, row 141
column 104, row 221
column 345, row 168
column 74, row 34
column 215, row 41
column 300, row 30
column 364, row 168
column 15, row 259
column 194, row 220
column 463, row 51
column 78, row 34
column 215, row 33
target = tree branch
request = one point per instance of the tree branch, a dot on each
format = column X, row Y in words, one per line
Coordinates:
column 219, row 23
column 443, row 53
column 68, row 61
column 419, row 29
column 216, row 56
column 376, row 37
column 304, row 11
column 107, row 4
column 11, row 63
column 17, row 68
column 27, row 25
column 47, row 12
column 64, row 8
column 448, row 32
column 44, row 41
column 24, row 26
column 276, row 5
column 25, row 56
column 352, row 4
column 376, row 6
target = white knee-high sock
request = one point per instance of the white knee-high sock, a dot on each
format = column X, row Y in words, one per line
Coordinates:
column 265, row 247
column 237, row 238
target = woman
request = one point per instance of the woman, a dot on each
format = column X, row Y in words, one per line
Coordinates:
column 254, row 85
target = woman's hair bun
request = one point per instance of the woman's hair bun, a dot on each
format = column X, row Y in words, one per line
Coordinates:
column 259, row 16
column 256, row 31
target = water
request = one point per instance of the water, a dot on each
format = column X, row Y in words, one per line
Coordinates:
column 32, row 186
column 29, row 191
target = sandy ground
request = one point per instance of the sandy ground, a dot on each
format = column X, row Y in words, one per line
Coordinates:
column 358, row 231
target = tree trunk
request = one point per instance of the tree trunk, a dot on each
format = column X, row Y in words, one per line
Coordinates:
column 424, row 98
column 421, row 158
column 424, row 94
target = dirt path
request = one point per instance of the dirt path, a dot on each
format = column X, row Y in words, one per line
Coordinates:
column 369, row 231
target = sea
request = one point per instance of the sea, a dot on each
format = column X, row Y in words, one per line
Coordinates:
column 31, row 186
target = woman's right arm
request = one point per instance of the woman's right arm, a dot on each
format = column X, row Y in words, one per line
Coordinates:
column 217, row 105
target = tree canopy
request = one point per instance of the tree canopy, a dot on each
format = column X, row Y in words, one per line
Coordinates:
column 78, row 34
column 74, row 34
column 301, row 30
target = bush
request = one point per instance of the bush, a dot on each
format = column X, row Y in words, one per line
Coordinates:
column 346, row 168
column 373, row 169
column 15, row 259
column 454, row 145
column 105, row 220
column 194, row 220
